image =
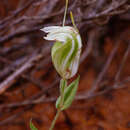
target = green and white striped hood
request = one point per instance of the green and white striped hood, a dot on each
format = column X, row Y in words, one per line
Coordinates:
column 66, row 50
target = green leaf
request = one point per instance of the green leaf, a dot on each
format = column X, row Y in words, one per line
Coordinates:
column 69, row 93
column 32, row 126
column 58, row 102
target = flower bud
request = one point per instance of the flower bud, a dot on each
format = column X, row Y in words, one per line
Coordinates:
column 66, row 50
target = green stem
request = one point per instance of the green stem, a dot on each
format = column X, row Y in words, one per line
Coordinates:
column 54, row 121
column 58, row 111
column 66, row 6
column 62, row 96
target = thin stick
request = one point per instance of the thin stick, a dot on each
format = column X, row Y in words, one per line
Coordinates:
column 102, row 73
column 66, row 6
column 122, row 63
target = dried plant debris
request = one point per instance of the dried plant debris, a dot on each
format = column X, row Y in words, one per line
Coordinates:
column 29, row 83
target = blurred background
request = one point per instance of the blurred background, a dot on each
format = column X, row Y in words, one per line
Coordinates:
column 29, row 84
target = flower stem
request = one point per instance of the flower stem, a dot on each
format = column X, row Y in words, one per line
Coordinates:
column 62, row 96
column 54, row 121
column 66, row 6
column 59, row 109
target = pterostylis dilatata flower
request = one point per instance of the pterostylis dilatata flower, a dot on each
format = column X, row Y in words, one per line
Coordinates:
column 65, row 55
column 66, row 50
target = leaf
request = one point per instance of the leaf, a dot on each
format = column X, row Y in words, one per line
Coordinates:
column 32, row 126
column 69, row 93
column 58, row 102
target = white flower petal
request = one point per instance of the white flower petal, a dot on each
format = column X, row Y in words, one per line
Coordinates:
column 50, row 29
column 57, row 37
column 54, row 29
